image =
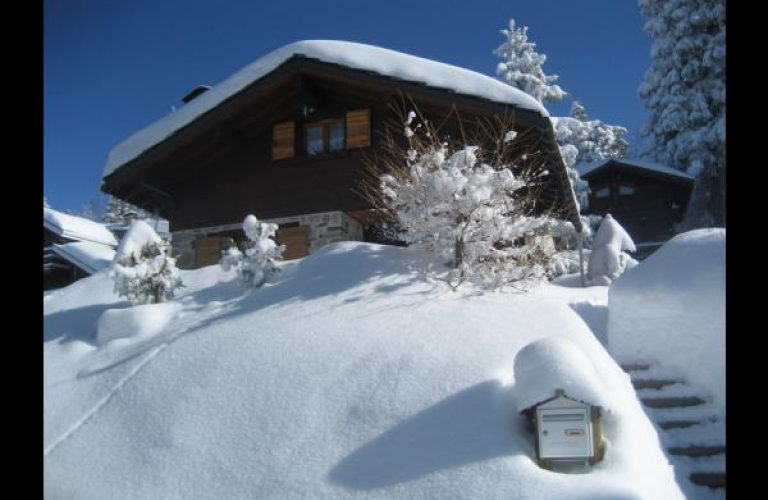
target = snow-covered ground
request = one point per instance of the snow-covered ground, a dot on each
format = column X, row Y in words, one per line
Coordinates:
column 671, row 310
column 350, row 377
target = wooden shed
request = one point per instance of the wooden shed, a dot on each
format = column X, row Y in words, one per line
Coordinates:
column 646, row 198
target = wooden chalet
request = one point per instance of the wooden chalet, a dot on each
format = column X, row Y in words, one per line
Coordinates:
column 646, row 198
column 287, row 138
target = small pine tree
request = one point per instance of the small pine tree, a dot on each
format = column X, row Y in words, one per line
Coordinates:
column 522, row 66
column 258, row 262
column 143, row 271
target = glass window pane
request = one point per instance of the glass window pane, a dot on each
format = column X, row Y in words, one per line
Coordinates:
column 626, row 190
column 336, row 136
column 602, row 193
column 314, row 140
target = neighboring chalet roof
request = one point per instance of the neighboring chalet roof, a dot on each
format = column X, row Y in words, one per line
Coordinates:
column 353, row 55
column 90, row 257
column 587, row 170
column 77, row 228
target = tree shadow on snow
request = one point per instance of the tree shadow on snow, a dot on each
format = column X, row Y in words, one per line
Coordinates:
column 474, row 425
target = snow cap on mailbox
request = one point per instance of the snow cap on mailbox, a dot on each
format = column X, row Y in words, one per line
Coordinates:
column 550, row 364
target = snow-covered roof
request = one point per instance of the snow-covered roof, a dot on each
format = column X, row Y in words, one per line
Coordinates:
column 90, row 257
column 353, row 55
column 587, row 168
column 77, row 228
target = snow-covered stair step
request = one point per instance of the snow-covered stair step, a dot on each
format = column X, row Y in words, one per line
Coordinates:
column 696, row 451
column 675, row 390
column 652, row 383
column 713, row 463
column 672, row 401
column 649, row 371
column 704, row 434
column 701, row 413
column 635, row 366
column 709, row 479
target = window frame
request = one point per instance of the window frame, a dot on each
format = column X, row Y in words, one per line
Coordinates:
column 326, row 126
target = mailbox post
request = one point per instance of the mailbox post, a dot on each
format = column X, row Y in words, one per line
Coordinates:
column 566, row 430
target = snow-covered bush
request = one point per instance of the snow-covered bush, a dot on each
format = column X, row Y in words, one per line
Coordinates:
column 143, row 270
column 469, row 207
column 257, row 263
column 608, row 259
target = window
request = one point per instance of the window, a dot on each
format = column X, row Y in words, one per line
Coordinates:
column 625, row 190
column 324, row 136
column 603, row 193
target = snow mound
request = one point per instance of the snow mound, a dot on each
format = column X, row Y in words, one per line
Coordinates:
column 134, row 240
column 554, row 363
column 350, row 377
column 139, row 321
column 671, row 308
column 352, row 55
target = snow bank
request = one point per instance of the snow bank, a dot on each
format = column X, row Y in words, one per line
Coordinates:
column 553, row 363
column 353, row 55
column 350, row 377
column 77, row 228
column 671, row 308
column 138, row 321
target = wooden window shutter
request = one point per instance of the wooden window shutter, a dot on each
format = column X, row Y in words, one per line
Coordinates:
column 358, row 128
column 282, row 140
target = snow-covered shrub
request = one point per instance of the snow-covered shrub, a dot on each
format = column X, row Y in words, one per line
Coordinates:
column 257, row 263
column 470, row 207
column 608, row 259
column 143, row 270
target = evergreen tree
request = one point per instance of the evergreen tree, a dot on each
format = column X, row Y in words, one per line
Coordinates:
column 684, row 89
column 579, row 112
column 122, row 212
column 522, row 66
column 580, row 139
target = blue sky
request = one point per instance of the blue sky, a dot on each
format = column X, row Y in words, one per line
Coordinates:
column 113, row 67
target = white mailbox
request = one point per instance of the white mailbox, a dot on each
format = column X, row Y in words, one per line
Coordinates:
column 567, row 430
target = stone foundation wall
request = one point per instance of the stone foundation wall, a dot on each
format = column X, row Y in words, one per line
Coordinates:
column 324, row 228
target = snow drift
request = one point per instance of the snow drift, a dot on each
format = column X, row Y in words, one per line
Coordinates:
column 671, row 308
column 350, row 377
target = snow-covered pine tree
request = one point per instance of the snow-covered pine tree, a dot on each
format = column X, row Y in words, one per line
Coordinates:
column 258, row 262
column 45, row 203
column 591, row 140
column 122, row 212
column 143, row 271
column 579, row 112
column 580, row 139
column 684, row 89
column 522, row 65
